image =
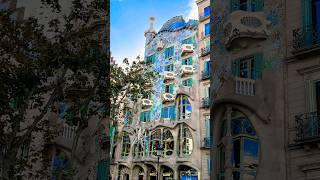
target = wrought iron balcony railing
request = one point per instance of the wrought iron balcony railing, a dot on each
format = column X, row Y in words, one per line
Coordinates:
column 205, row 102
column 206, row 142
column 205, row 75
column 306, row 38
column 307, row 127
column 205, row 51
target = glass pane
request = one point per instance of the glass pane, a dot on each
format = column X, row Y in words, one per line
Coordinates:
column 236, row 154
column 250, row 154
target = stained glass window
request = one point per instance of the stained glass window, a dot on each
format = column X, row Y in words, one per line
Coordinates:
column 125, row 145
column 185, row 141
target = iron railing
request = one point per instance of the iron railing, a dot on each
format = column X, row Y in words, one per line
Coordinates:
column 205, row 75
column 306, row 37
column 307, row 127
column 205, row 51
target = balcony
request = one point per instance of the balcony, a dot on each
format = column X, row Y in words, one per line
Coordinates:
column 167, row 97
column 307, row 128
column 168, row 76
column 205, row 51
column 186, row 49
column 203, row 17
column 186, row 70
column 243, row 27
column 205, row 75
column 245, row 86
column 146, row 103
column 206, row 143
column 65, row 136
column 205, row 102
column 306, row 40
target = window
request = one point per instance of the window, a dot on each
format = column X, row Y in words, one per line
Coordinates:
column 169, row 67
column 164, row 138
column 245, row 147
column 187, row 82
column 169, row 88
column 145, row 116
column 185, row 141
column 184, row 107
column 207, row 67
column 189, row 40
column 207, row 92
column 209, row 165
column 206, row 11
column 125, row 145
column 247, row 5
column 137, row 151
column 168, row 142
column 169, row 52
column 187, row 61
column 168, row 112
column 207, row 29
column 250, row 67
column 151, row 59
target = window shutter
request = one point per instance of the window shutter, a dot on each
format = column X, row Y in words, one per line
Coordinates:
column 171, row 88
column 234, row 5
column 259, row 5
column 258, row 66
column 207, row 127
column 236, row 68
column 141, row 116
column 162, row 113
column 190, row 61
column 174, row 112
column 307, row 21
column 149, row 116
column 310, row 96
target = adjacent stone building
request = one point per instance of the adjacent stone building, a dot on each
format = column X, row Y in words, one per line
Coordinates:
column 247, row 90
column 301, row 75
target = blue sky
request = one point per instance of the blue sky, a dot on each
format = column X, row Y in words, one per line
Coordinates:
column 130, row 18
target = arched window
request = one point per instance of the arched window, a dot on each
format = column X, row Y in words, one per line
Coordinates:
column 164, row 138
column 245, row 147
column 185, row 141
column 155, row 141
column 184, row 107
column 125, row 145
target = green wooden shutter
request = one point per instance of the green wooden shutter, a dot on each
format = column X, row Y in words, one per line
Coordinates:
column 207, row 127
column 171, row 88
column 310, row 96
column 190, row 60
column 259, row 5
column 236, row 68
column 162, row 113
column 174, row 112
column 307, row 21
column 149, row 116
column 103, row 170
column 234, row 5
column 258, row 65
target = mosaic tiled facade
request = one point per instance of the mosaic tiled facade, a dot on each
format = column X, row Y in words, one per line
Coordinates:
column 170, row 118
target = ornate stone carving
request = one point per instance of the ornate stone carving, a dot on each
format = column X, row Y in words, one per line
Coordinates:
column 243, row 26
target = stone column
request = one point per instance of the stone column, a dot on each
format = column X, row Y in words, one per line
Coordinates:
column 228, row 145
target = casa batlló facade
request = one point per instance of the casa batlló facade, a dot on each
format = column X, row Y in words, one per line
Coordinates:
column 170, row 117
